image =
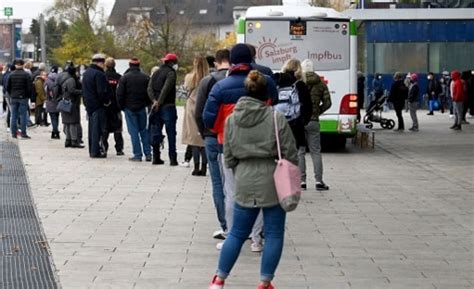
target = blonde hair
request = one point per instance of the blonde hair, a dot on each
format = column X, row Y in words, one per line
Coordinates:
column 200, row 70
column 293, row 65
column 110, row 62
column 28, row 65
column 256, row 85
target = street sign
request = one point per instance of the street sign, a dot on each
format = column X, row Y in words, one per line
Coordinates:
column 8, row 11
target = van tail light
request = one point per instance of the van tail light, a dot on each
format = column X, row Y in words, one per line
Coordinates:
column 348, row 104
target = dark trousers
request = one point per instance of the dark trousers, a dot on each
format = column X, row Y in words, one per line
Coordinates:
column 55, row 121
column 188, row 155
column 97, row 130
column 165, row 117
column 199, row 155
column 399, row 112
column 118, row 141
column 39, row 115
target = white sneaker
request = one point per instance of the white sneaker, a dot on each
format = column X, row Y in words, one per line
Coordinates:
column 185, row 164
column 219, row 245
column 219, row 234
column 256, row 247
column 451, row 116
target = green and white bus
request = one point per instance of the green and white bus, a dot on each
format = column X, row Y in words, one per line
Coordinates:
column 323, row 35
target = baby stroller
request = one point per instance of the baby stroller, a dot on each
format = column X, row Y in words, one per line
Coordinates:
column 374, row 114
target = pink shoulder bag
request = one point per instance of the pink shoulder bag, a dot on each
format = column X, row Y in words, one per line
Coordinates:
column 287, row 177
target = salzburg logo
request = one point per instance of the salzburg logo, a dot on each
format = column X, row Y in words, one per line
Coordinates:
column 269, row 50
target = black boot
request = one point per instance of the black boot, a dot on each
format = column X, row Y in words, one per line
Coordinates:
column 157, row 160
column 173, row 161
column 204, row 170
column 68, row 143
column 57, row 135
column 53, row 135
column 196, row 171
column 76, row 144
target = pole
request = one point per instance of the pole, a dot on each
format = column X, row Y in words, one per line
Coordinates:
column 42, row 39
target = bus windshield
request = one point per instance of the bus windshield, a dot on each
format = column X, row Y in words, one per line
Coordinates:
column 326, row 43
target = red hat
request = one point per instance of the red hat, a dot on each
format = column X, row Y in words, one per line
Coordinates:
column 170, row 57
column 414, row 76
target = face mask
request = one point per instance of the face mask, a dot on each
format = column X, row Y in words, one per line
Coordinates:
column 175, row 67
column 380, row 77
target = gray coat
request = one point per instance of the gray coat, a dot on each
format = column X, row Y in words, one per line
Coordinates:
column 70, row 91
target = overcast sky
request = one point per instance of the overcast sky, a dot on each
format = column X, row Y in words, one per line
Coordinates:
column 30, row 9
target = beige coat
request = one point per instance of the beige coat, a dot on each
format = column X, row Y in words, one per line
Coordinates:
column 191, row 135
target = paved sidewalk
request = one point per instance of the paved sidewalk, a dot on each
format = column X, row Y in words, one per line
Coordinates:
column 397, row 217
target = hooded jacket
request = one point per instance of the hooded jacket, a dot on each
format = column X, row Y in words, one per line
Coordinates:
column 225, row 94
column 457, row 87
column 320, row 96
column 250, row 151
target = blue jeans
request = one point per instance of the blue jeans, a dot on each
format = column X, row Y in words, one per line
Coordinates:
column 274, row 231
column 136, row 123
column 97, row 129
column 19, row 109
column 167, row 117
column 55, row 121
column 213, row 149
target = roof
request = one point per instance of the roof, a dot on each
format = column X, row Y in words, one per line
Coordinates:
column 202, row 12
column 290, row 11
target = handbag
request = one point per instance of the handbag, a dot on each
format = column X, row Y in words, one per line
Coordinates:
column 64, row 105
column 287, row 177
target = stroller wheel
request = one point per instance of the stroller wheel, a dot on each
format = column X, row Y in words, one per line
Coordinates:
column 369, row 125
column 384, row 124
column 366, row 118
column 390, row 124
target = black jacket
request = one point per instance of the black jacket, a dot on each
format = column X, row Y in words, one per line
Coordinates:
column 164, row 85
column 19, row 84
column 113, row 79
column 297, row 125
column 398, row 94
column 414, row 93
column 132, row 90
column 95, row 89
column 262, row 69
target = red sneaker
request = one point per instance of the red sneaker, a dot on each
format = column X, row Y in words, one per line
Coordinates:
column 270, row 286
column 216, row 283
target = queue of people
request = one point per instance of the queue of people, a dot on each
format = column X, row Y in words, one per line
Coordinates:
column 453, row 92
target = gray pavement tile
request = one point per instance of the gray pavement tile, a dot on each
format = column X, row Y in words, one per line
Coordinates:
column 398, row 217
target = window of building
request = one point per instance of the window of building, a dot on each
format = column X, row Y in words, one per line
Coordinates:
column 393, row 57
column 451, row 55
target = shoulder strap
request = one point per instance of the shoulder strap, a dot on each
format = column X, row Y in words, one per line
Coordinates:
column 277, row 133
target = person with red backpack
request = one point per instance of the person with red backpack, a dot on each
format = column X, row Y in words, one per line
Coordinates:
column 457, row 94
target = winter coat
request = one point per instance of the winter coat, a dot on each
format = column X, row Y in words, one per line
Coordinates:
column 398, row 94
column 132, row 90
column 306, row 106
column 250, row 151
column 262, row 69
column 190, row 134
column 377, row 86
column 113, row 79
column 203, row 91
column 223, row 97
column 457, row 87
column 360, row 90
column 72, row 93
column 434, row 89
column 164, row 86
column 414, row 93
column 320, row 96
column 19, row 84
column 40, row 92
column 95, row 89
